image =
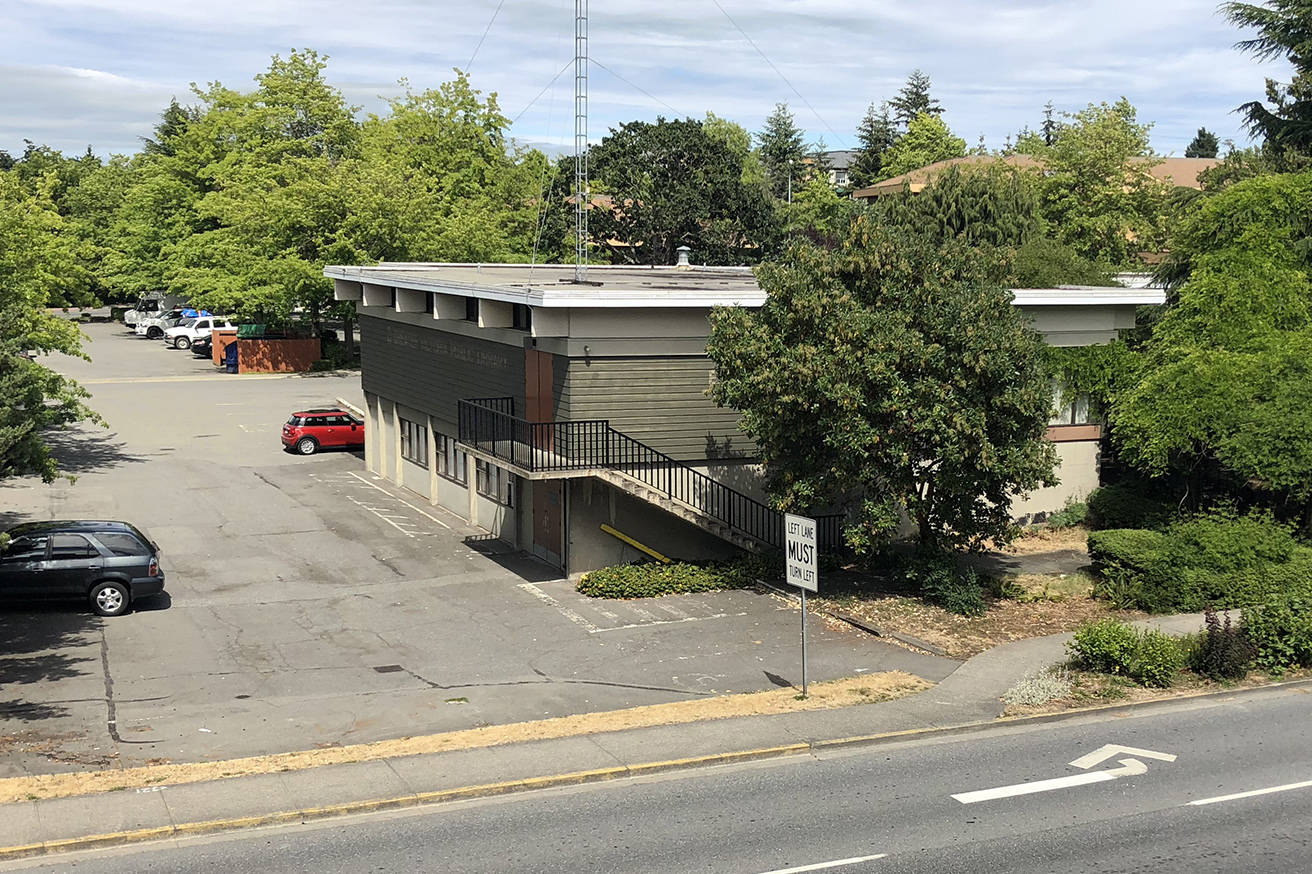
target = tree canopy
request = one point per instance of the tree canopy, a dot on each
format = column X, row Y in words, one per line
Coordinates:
column 1204, row 145
column 783, row 150
column 926, row 140
column 914, row 100
column 672, row 184
column 1284, row 30
column 889, row 375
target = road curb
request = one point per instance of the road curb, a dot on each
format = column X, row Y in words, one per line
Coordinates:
column 599, row 775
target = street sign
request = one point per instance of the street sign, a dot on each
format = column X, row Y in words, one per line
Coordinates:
column 803, row 566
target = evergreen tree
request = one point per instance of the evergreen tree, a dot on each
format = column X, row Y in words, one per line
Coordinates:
column 1204, row 145
column 173, row 123
column 782, row 150
column 1284, row 31
column 914, row 99
column 1050, row 124
column 876, row 135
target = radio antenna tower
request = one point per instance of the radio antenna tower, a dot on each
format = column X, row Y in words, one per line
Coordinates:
column 582, row 195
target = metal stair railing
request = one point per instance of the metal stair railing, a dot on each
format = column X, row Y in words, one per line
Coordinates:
column 490, row 426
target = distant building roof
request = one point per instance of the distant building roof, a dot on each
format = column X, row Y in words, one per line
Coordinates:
column 1175, row 171
column 840, row 159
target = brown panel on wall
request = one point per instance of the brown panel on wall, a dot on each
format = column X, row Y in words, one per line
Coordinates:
column 539, row 386
column 1073, row 433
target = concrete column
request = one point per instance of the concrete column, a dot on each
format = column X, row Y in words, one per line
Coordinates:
column 410, row 301
column 448, row 306
column 432, row 461
column 373, row 443
column 494, row 313
column 394, row 443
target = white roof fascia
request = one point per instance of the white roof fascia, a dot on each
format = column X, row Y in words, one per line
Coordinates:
column 1088, row 296
column 592, row 297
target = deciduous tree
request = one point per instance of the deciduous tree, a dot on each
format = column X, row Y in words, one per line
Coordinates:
column 927, row 139
column 887, row 376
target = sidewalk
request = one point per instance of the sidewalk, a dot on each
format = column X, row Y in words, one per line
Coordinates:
column 969, row 696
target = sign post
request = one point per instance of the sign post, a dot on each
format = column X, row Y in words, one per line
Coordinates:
column 801, row 567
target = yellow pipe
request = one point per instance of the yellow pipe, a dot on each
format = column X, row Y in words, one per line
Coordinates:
column 635, row 544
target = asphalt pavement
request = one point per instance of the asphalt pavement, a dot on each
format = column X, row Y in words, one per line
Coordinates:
column 1216, row 784
column 311, row 604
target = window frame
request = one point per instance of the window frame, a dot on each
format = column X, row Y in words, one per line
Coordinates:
column 494, row 483
column 452, row 464
column 414, row 441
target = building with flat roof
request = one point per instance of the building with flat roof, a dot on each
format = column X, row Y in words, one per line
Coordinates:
column 573, row 420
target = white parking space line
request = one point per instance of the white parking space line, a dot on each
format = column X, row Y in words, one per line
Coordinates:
column 399, row 501
column 564, row 611
column 1251, row 794
column 381, row 516
column 821, row 866
column 666, row 622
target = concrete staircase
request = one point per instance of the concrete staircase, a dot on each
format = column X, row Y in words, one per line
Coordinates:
column 679, row 509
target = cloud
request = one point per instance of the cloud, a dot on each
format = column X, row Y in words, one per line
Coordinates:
column 993, row 65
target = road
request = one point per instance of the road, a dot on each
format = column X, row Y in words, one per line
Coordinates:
column 873, row 809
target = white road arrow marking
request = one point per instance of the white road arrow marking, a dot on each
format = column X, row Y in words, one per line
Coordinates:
column 1130, row 767
column 1106, row 751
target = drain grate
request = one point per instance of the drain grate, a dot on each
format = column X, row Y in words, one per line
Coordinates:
column 388, row 669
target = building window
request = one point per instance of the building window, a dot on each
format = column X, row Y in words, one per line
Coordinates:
column 414, row 442
column 521, row 317
column 494, row 483
column 471, row 309
column 451, row 462
column 1070, row 409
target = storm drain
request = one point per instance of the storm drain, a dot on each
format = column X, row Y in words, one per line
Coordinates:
column 388, row 669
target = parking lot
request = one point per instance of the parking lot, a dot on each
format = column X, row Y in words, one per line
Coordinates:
column 312, row 604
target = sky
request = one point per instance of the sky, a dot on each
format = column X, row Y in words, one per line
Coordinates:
column 78, row 73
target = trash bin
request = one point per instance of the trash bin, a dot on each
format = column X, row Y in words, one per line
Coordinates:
column 230, row 357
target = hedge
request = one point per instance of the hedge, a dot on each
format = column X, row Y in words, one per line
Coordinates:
column 651, row 580
column 1217, row 559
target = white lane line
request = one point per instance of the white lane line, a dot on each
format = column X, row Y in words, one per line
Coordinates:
column 1251, row 794
column 399, row 501
column 837, row 863
column 564, row 611
column 1036, row 786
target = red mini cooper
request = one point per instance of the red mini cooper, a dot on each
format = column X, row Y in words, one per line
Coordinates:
column 312, row 430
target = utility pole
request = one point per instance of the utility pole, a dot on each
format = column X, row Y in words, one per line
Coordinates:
column 582, row 195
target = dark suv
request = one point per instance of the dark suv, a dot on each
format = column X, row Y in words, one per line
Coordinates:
column 109, row 563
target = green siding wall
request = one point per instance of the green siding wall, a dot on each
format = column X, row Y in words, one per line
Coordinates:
column 431, row 370
column 660, row 401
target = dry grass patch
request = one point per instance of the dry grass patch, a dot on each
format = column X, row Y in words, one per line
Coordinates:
column 1039, row 540
column 823, row 696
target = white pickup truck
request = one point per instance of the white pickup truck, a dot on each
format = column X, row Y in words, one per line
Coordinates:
column 189, row 330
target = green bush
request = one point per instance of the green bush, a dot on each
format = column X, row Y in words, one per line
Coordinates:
column 651, row 580
column 1121, row 506
column 1223, row 651
column 941, row 581
column 1074, row 513
column 1215, row 559
column 1280, row 632
column 1109, row 646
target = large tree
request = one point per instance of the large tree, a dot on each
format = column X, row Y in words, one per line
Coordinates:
column 669, row 184
column 876, row 134
column 927, row 140
column 782, row 150
column 1284, row 30
column 1224, row 396
column 38, row 261
column 890, row 375
column 914, row 100
column 1098, row 192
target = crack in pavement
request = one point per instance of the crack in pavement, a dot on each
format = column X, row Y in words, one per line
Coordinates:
column 546, row 680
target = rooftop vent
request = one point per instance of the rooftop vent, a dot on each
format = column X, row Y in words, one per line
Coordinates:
column 683, row 264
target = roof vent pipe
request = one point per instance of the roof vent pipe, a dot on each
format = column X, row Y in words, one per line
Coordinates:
column 683, row 264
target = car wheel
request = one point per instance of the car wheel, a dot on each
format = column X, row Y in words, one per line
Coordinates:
column 154, row 333
column 182, row 343
column 110, row 599
column 307, row 445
